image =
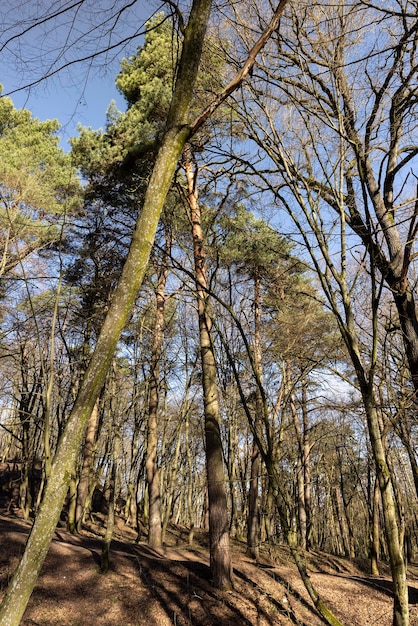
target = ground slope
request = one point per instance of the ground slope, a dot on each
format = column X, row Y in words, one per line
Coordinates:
column 172, row 585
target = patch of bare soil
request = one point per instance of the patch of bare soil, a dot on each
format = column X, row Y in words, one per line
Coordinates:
column 172, row 586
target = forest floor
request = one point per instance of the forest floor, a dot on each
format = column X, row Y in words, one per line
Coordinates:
column 171, row 586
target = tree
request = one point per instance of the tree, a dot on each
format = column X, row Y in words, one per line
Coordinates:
column 370, row 121
column 263, row 433
column 256, row 250
column 38, row 185
column 263, row 429
column 120, row 158
column 220, row 555
column 154, row 496
column 177, row 131
column 339, row 167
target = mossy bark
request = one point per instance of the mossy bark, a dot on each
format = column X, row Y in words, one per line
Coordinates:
column 175, row 137
column 86, row 468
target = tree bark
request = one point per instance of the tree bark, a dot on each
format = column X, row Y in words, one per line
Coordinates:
column 253, row 519
column 151, row 466
column 220, row 557
column 86, row 468
column 176, row 134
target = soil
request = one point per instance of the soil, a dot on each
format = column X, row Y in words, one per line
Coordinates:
column 172, row 586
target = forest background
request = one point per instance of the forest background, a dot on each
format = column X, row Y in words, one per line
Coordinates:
column 258, row 376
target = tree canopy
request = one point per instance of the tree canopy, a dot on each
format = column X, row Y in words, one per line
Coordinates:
column 223, row 334
column 39, row 185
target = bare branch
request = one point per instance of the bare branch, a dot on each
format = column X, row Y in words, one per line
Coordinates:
column 244, row 72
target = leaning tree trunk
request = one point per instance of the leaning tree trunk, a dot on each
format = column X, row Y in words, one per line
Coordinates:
column 384, row 477
column 178, row 131
column 176, row 134
column 220, row 557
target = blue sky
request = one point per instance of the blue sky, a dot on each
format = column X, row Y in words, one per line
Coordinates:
column 82, row 92
column 70, row 104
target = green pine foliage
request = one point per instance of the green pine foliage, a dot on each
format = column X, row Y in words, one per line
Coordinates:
column 35, row 173
column 146, row 82
column 146, row 79
column 251, row 244
column 38, row 183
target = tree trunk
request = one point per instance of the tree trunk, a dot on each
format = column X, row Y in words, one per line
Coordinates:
column 406, row 308
column 300, row 478
column 281, row 497
column 220, row 558
column 375, row 532
column 131, row 504
column 107, row 539
column 152, row 471
column 232, row 471
column 384, row 477
column 303, row 464
column 171, row 483
column 176, row 134
column 300, row 495
column 131, row 507
column 342, row 521
column 282, row 504
column 72, row 501
column 306, row 468
column 25, row 409
column 86, row 468
column 191, row 508
column 253, row 520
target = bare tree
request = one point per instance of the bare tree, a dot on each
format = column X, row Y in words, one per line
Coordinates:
column 334, row 109
column 178, row 130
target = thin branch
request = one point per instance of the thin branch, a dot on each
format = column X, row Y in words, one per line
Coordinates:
column 245, row 70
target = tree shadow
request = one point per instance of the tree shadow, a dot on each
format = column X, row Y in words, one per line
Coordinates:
column 286, row 611
column 183, row 590
column 385, row 586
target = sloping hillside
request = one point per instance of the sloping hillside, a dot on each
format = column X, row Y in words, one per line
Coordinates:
column 172, row 586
